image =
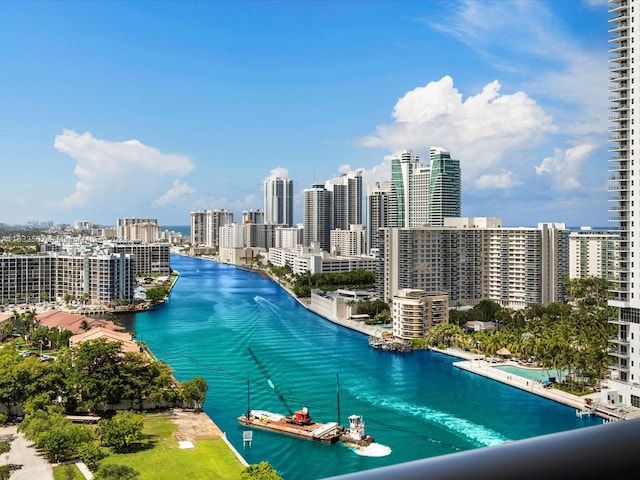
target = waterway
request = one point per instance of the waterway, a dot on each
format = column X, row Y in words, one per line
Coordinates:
column 417, row 404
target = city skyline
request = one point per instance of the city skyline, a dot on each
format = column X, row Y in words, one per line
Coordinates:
column 159, row 109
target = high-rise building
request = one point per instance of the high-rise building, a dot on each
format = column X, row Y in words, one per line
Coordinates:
column 378, row 211
column 424, row 195
column 624, row 384
column 472, row 259
column 591, row 252
column 205, row 226
column 317, row 216
column 347, row 199
column 444, row 188
column 97, row 278
column 351, row 243
column 278, row 201
column 144, row 229
column 402, row 169
column 252, row 216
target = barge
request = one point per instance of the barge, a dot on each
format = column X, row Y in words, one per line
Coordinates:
column 300, row 425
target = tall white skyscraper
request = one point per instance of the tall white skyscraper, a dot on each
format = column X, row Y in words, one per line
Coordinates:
column 624, row 384
column 347, row 199
column 317, row 216
column 278, row 201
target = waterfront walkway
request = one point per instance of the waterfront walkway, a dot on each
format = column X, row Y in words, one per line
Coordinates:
column 477, row 364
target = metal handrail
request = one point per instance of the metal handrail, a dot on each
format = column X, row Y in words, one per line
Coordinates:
column 602, row 451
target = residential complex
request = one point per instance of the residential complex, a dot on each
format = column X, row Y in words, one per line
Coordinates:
column 350, row 242
column 91, row 268
column 591, row 253
column 205, row 226
column 346, row 200
column 142, row 229
column 317, row 216
column 423, row 195
column 624, row 383
column 378, row 210
column 314, row 260
column 252, row 216
column 471, row 259
column 101, row 278
column 278, row 201
column 414, row 312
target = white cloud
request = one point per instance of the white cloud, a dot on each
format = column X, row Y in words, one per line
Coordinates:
column 344, row 168
column 503, row 180
column 278, row 172
column 172, row 195
column 565, row 167
column 481, row 131
column 117, row 172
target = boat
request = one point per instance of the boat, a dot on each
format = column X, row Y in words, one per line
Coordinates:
column 355, row 434
column 299, row 425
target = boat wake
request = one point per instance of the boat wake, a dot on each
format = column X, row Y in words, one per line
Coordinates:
column 461, row 427
column 373, row 450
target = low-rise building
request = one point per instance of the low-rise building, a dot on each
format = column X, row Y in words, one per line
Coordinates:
column 314, row 260
column 127, row 344
column 414, row 312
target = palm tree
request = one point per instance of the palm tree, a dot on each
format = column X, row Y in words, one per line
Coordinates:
column 6, row 330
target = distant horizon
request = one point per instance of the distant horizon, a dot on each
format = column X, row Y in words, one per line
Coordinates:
column 188, row 226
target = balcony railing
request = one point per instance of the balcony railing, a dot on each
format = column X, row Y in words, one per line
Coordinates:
column 602, row 451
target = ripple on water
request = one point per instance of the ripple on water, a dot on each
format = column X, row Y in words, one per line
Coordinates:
column 417, row 404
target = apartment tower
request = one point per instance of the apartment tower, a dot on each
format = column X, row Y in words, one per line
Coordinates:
column 347, row 200
column 278, row 201
column 378, row 211
column 624, row 163
column 424, row 195
column 317, row 216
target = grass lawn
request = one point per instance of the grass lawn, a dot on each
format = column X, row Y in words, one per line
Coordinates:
column 159, row 458
column 62, row 472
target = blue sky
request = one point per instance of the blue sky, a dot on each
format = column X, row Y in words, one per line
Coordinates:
column 156, row 109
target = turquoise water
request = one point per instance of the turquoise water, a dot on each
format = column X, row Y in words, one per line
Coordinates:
column 417, row 404
column 531, row 373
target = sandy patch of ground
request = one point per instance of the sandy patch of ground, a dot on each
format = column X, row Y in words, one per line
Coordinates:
column 194, row 426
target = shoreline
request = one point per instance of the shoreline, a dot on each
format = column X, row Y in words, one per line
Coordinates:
column 360, row 327
column 476, row 364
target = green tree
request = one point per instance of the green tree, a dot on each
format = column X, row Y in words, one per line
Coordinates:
column 122, row 430
column 114, row 471
column 194, row 392
column 5, row 472
column 9, row 386
column 96, row 372
column 90, row 454
column 62, row 442
column 54, row 433
column 6, row 330
column 260, row 471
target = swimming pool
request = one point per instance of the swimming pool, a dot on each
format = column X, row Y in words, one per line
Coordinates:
column 531, row 373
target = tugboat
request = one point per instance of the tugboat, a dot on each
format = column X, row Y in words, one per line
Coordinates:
column 355, row 434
